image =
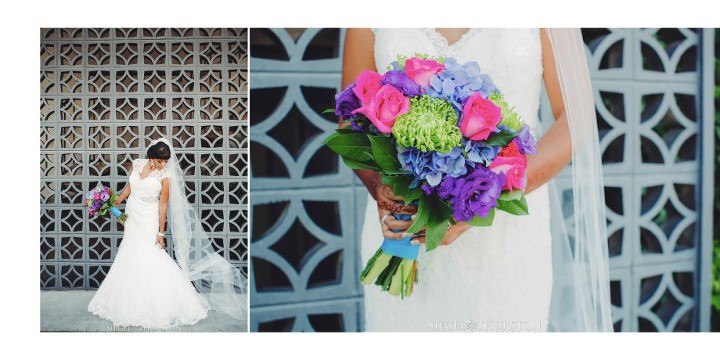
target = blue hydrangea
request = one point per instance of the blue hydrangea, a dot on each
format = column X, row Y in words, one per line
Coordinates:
column 431, row 166
column 457, row 82
column 526, row 141
column 479, row 153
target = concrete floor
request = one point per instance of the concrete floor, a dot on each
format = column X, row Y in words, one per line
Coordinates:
column 67, row 311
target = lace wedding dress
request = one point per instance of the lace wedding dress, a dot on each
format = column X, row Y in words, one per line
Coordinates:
column 493, row 279
column 145, row 287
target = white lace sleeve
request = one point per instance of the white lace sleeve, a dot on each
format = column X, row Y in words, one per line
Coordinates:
column 136, row 164
column 164, row 174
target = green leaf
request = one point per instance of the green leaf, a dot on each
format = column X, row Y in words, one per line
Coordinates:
column 438, row 214
column 327, row 111
column 401, row 187
column 421, row 217
column 332, row 136
column 359, row 165
column 486, row 221
column 515, row 207
column 510, row 195
column 434, row 234
column 384, row 153
column 346, row 130
column 355, row 146
column 396, row 173
column 501, row 139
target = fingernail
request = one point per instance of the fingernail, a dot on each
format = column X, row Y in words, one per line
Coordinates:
column 415, row 242
column 406, row 234
column 413, row 217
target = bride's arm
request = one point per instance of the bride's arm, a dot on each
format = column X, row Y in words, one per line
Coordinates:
column 164, row 196
column 125, row 192
column 359, row 55
column 123, row 195
column 554, row 149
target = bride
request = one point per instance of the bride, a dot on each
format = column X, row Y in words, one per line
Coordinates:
column 145, row 287
column 514, row 275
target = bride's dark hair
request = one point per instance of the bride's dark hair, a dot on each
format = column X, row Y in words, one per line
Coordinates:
column 158, row 151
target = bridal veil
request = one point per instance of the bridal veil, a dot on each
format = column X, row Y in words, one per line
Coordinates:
column 213, row 276
column 581, row 285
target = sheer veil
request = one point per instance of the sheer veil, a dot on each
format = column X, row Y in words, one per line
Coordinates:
column 581, row 287
column 213, row 276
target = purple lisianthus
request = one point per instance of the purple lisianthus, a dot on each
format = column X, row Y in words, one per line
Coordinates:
column 479, row 153
column 476, row 193
column 457, row 82
column 427, row 189
column 104, row 196
column 355, row 126
column 402, row 82
column 444, row 190
column 346, row 102
column 526, row 142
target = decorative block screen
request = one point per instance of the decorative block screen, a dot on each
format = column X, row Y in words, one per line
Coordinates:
column 104, row 95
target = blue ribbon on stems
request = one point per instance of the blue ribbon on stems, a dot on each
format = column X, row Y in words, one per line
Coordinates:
column 401, row 248
column 115, row 211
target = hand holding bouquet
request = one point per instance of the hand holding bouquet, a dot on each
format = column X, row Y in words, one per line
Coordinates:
column 100, row 201
column 443, row 137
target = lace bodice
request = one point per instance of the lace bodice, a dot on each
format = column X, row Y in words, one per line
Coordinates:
column 146, row 189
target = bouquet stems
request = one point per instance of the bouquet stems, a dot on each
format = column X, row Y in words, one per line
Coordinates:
column 118, row 214
column 394, row 265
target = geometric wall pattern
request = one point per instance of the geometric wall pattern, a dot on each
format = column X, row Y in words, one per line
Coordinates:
column 305, row 217
column 650, row 91
column 649, row 95
column 104, row 95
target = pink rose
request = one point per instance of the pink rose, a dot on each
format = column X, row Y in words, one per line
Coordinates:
column 513, row 164
column 480, row 117
column 420, row 70
column 367, row 85
column 382, row 110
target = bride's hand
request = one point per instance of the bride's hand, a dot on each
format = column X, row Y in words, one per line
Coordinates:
column 160, row 241
column 453, row 232
column 386, row 200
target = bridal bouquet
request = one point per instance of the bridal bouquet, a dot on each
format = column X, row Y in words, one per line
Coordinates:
column 100, row 201
column 442, row 136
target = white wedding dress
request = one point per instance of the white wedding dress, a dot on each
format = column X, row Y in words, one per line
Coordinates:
column 145, row 286
column 492, row 279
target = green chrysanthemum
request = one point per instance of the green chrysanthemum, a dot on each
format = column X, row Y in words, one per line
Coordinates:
column 430, row 125
column 510, row 118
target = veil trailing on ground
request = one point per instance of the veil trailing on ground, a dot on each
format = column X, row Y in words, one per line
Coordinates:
column 217, row 279
column 581, row 285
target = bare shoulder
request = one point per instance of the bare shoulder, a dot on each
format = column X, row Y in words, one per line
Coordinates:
column 358, row 53
column 363, row 34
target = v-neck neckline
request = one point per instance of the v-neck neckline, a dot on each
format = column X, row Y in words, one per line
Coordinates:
column 443, row 42
column 143, row 169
